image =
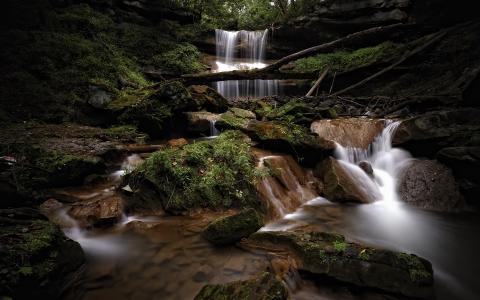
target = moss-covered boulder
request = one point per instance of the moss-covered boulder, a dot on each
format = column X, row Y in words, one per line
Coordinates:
column 36, row 259
column 295, row 111
column 218, row 173
column 280, row 136
column 211, row 100
column 329, row 254
column 262, row 287
column 233, row 228
column 341, row 185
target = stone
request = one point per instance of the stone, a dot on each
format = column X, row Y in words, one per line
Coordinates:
column 349, row 132
column 99, row 98
column 263, row 287
column 231, row 229
column 426, row 134
column 329, row 254
column 200, row 121
column 36, row 259
column 340, row 185
column 430, row 185
column 366, row 167
column 242, row 113
column 177, row 142
column 98, row 212
column 209, row 98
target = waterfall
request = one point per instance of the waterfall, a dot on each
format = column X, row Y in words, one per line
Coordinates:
column 385, row 160
column 243, row 50
column 213, row 130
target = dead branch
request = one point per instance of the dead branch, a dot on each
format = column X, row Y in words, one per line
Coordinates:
column 317, row 83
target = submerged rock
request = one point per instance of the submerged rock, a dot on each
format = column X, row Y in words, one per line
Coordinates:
column 262, row 287
column 350, row 132
column 36, row 259
column 340, row 186
column 233, row 228
column 322, row 253
column 429, row 184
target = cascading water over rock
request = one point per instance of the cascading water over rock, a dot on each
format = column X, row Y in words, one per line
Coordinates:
column 243, row 50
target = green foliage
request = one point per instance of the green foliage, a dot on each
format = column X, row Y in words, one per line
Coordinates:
column 184, row 58
column 342, row 61
column 217, row 174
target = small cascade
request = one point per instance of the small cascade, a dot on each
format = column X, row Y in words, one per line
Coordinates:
column 243, row 50
column 288, row 186
column 214, row 132
column 385, row 160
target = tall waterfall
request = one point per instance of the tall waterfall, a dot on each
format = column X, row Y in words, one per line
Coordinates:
column 243, row 50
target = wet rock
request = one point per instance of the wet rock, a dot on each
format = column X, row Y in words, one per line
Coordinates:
column 231, row 229
column 177, row 142
column 200, row 121
column 366, row 167
column 209, row 98
column 426, row 134
column 351, row 132
column 322, row 253
column 98, row 212
column 242, row 113
column 262, row 287
column 429, row 184
column 339, row 185
column 36, row 259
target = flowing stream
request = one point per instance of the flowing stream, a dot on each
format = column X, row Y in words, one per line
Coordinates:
column 243, row 50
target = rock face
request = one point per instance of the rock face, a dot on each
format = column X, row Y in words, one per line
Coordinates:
column 231, row 229
column 465, row 163
column 322, row 253
column 36, row 259
column 340, row 185
column 430, row 185
column 263, row 287
column 200, row 121
column 350, row 132
column 426, row 134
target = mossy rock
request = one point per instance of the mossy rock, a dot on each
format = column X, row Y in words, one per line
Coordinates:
column 263, row 287
column 296, row 111
column 230, row 229
column 217, row 173
column 329, row 254
column 35, row 258
column 208, row 98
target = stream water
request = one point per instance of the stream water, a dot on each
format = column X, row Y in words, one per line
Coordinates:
column 165, row 257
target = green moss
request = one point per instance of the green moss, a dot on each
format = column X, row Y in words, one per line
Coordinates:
column 339, row 246
column 184, row 58
column 126, row 133
column 217, row 174
column 342, row 61
column 364, row 254
column 263, row 287
column 231, row 229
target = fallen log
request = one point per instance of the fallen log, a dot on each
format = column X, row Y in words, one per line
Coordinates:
column 317, row 83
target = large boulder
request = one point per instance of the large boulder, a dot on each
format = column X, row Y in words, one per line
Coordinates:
column 328, row 254
column 341, row 185
column 233, row 228
column 349, row 132
column 98, row 211
column 216, row 173
column 429, row 184
column 263, row 287
column 210, row 99
column 36, row 259
column 426, row 134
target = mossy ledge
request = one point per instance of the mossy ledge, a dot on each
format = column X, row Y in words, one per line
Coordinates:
column 35, row 257
column 329, row 254
column 216, row 174
column 263, row 287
